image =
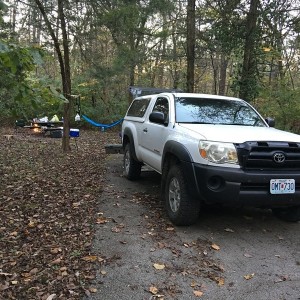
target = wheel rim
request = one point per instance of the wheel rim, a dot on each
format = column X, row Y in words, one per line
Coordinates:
column 174, row 194
column 127, row 162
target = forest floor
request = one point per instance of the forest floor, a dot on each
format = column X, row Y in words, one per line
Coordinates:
column 48, row 210
column 72, row 227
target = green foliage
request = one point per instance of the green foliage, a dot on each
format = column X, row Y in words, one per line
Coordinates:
column 3, row 8
column 100, row 102
column 23, row 95
column 282, row 103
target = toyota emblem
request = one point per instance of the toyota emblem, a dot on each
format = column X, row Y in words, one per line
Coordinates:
column 279, row 157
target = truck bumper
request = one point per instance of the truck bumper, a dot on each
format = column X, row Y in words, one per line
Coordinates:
column 236, row 187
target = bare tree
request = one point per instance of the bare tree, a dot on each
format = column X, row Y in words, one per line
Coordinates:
column 64, row 63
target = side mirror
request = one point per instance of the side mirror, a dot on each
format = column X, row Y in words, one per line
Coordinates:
column 157, row 117
column 270, row 121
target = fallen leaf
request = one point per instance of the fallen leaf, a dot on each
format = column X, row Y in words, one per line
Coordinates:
column 198, row 293
column 103, row 272
column 153, row 290
column 31, row 224
column 90, row 258
column 92, row 290
column 116, row 229
column 184, row 273
column 249, row 276
column 159, row 266
column 6, row 274
column 102, row 220
column 52, row 296
column 161, row 245
column 55, row 250
column 193, row 284
column 215, row 247
column 100, row 259
column 228, row 230
column 4, row 286
column 56, row 261
column 170, row 229
column 220, row 281
column 284, row 277
column 25, row 275
column 247, row 255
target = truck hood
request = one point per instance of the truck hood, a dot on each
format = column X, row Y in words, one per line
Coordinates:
column 240, row 134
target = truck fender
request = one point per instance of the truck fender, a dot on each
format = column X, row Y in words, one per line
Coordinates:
column 180, row 153
column 179, row 150
column 129, row 137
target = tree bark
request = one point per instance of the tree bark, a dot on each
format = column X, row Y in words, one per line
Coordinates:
column 248, row 76
column 190, row 74
column 223, row 72
column 66, row 78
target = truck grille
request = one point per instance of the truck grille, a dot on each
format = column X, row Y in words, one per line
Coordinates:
column 269, row 155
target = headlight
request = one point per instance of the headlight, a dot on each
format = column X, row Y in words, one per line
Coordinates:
column 219, row 153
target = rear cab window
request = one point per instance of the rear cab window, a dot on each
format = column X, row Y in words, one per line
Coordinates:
column 138, row 108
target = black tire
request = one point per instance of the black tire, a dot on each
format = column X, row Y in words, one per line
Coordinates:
column 132, row 168
column 289, row 214
column 182, row 208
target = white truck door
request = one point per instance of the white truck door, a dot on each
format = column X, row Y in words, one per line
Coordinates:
column 154, row 136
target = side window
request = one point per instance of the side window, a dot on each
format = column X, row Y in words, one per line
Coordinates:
column 138, row 107
column 162, row 105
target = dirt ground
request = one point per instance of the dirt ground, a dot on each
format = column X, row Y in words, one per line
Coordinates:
column 72, row 227
column 228, row 254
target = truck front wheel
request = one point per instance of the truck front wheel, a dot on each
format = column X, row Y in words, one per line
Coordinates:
column 132, row 168
column 181, row 207
column 289, row 214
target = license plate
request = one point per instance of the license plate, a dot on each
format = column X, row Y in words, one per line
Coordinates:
column 282, row 186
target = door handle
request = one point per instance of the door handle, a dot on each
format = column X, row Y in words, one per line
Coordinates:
column 145, row 130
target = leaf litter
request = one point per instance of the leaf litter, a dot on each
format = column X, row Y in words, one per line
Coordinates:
column 48, row 210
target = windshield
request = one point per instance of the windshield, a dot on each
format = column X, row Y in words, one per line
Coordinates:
column 216, row 111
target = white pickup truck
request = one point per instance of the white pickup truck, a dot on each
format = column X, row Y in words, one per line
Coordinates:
column 212, row 150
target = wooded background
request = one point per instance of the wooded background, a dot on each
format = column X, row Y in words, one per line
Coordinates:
column 53, row 49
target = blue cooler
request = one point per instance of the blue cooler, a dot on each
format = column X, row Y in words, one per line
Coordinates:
column 74, row 132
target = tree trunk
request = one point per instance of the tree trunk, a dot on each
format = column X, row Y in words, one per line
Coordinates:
column 248, row 77
column 190, row 43
column 66, row 78
column 175, row 72
column 223, row 72
column 131, row 81
column 64, row 64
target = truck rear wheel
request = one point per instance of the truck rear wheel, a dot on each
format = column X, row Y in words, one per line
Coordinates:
column 289, row 214
column 181, row 207
column 132, row 168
